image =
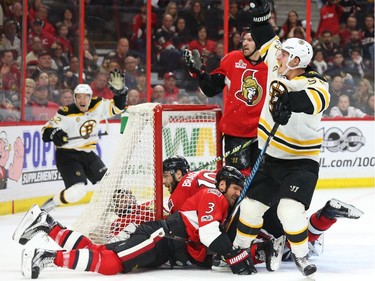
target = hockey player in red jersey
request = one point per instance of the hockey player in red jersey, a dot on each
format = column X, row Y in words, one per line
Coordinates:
column 245, row 75
column 183, row 238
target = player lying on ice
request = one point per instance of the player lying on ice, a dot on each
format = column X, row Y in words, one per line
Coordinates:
column 182, row 239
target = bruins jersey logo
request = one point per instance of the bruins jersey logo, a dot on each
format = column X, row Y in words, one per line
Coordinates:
column 276, row 90
column 251, row 92
column 87, row 128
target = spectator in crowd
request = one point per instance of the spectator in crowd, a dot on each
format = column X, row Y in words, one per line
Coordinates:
column 29, row 92
column 44, row 64
column 345, row 32
column 112, row 65
column 10, row 40
column 164, row 40
column 356, row 62
column 195, row 17
column 36, row 49
column 99, row 86
column 37, row 31
column 42, row 15
column 33, row 9
column 142, row 84
column 139, row 26
column 63, row 39
column 67, row 19
column 16, row 13
column 213, row 61
column 133, row 97
column 297, row 32
column 130, row 70
column 340, row 68
column 328, row 47
column 233, row 15
column 361, row 94
column 336, row 89
column 369, row 108
column 71, row 74
column 291, row 22
column 59, row 59
column 8, row 112
column 171, row 9
column 55, row 86
column 66, row 97
column 368, row 38
column 42, row 79
column 158, row 94
column 319, row 63
column 215, row 24
column 234, row 41
column 330, row 15
column 276, row 28
column 41, row 107
column 90, row 60
column 183, row 36
column 10, row 75
column 121, row 52
column 354, row 43
column 171, row 91
column 344, row 109
column 182, row 98
column 204, row 45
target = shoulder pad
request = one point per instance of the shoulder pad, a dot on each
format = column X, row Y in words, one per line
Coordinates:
column 70, row 109
column 95, row 101
column 314, row 74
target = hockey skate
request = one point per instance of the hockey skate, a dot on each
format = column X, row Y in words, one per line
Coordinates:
column 34, row 260
column 335, row 208
column 218, row 264
column 49, row 205
column 272, row 252
column 303, row 265
column 35, row 221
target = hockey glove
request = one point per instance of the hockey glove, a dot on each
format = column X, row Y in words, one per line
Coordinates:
column 260, row 11
column 117, row 83
column 240, row 262
column 59, row 137
column 279, row 103
column 194, row 62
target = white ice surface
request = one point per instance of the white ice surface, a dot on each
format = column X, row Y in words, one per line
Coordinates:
column 349, row 249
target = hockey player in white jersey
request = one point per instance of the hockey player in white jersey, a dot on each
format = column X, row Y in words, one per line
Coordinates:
column 296, row 99
column 75, row 132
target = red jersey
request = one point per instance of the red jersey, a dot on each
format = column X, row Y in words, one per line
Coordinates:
column 203, row 213
column 189, row 185
column 245, row 96
column 329, row 19
column 208, row 46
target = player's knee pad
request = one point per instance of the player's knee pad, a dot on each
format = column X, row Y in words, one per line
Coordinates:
column 73, row 194
column 250, row 222
column 292, row 214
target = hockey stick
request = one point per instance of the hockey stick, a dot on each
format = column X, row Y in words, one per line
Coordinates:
column 226, row 154
column 254, row 169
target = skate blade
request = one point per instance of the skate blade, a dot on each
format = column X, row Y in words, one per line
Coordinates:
column 26, row 262
column 26, row 221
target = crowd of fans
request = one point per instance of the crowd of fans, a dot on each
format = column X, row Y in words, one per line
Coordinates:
column 343, row 51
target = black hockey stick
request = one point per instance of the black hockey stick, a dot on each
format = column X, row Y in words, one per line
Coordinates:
column 226, row 154
column 254, row 169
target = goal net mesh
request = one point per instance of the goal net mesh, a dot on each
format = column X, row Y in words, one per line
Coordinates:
column 131, row 190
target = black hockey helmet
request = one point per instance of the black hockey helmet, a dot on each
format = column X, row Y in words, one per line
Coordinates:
column 231, row 176
column 174, row 163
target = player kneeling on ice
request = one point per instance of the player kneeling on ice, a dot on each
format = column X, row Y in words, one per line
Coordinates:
column 75, row 132
column 182, row 239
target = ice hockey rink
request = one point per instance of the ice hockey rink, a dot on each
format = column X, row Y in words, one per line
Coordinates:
column 349, row 249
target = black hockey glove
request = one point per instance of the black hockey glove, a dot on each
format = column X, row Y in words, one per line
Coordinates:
column 116, row 83
column 59, row 137
column 240, row 262
column 260, row 10
column 279, row 103
column 194, row 62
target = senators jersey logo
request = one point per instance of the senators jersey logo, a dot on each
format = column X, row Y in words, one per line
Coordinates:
column 251, row 92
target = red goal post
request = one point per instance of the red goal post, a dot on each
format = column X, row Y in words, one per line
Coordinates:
column 152, row 133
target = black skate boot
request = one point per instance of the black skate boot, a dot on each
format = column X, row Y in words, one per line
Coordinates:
column 335, row 208
column 218, row 264
column 35, row 221
column 35, row 260
column 304, row 265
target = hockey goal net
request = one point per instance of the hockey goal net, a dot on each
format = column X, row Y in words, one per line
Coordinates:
column 132, row 189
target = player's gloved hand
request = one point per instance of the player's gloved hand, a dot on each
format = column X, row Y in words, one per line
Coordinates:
column 240, row 262
column 279, row 103
column 194, row 63
column 116, row 82
column 260, row 10
column 59, row 137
